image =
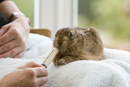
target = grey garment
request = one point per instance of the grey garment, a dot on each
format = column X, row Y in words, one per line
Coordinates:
column 3, row 20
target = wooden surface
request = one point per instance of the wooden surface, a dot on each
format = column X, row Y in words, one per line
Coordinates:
column 41, row 31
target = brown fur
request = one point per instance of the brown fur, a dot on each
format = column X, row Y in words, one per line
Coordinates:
column 77, row 44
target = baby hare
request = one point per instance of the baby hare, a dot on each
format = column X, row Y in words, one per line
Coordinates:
column 77, row 44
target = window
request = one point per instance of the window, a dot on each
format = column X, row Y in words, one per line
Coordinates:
column 27, row 7
column 110, row 17
column 55, row 14
column 52, row 14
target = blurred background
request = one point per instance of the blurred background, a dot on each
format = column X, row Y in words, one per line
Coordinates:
column 27, row 7
column 110, row 17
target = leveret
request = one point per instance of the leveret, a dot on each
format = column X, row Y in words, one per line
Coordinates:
column 77, row 44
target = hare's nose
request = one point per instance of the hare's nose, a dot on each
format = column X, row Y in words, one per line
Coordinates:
column 60, row 43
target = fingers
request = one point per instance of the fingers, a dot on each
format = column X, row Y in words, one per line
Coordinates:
column 41, row 74
column 10, row 42
column 41, row 86
column 41, row 81
column 33, row 64
column 19, row 55
column 40, row 71
column 30, row 65
column 11, row 53
column 8, row 36
column 10, row 45
column 35, row 73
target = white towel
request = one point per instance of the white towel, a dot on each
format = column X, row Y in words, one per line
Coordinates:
column 114, row 71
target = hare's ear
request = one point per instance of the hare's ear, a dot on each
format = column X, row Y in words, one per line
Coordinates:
column 85, row 30
column 82, row 30
column 93, row 31
column 77, row 28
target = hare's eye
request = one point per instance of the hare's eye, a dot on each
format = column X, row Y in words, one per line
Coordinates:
column 71, row 34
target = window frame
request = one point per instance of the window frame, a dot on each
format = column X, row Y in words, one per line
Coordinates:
column 55, row 14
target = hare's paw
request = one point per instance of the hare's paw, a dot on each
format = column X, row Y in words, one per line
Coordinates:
column 60, row 62
column 55, row 61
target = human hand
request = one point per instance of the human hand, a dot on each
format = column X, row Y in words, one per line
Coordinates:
column 13, row 38
column 29, row 75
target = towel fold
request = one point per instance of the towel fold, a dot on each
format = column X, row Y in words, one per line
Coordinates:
column 114, row 71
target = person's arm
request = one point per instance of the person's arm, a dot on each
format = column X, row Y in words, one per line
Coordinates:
column 1, row 1
column 29, row 75
column 7, row 7
column 13, row 36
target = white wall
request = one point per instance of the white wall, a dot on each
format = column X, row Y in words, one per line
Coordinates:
column 55, row 14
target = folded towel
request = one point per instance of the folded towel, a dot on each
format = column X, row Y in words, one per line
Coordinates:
column 106, row 73
column 37, row 46
column 114, row 71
